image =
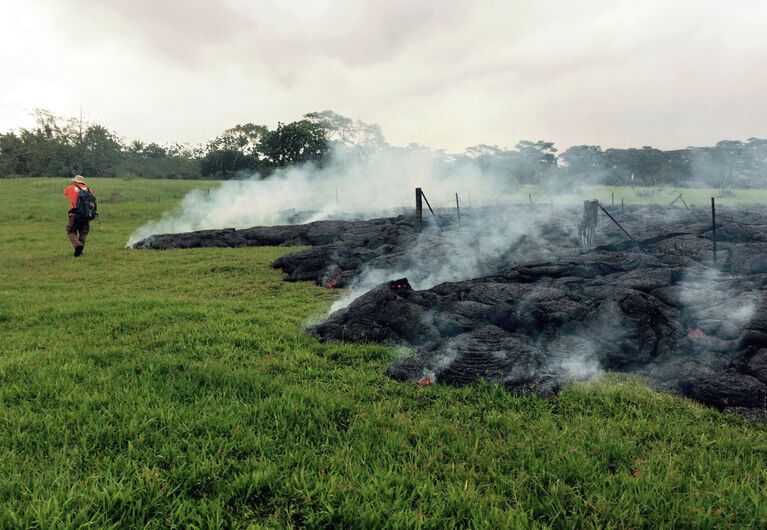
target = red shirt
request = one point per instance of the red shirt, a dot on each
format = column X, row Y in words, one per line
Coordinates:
column 72, row 191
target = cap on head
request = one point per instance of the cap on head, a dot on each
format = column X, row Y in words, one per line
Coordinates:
column 79, row 179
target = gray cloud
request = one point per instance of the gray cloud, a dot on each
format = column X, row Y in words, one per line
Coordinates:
column 446, row 73
column 203, row 32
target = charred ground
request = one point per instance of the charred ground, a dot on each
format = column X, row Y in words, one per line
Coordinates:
column 546, row 310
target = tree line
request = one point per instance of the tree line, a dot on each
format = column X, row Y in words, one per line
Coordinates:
column 59, row 147
column 63, row 147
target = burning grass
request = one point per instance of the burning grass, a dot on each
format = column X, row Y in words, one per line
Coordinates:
column 179, row 388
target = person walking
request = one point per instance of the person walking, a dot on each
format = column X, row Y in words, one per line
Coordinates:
column 82, row 210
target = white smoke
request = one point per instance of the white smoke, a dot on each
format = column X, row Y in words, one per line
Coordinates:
column 483, row 244
column 711, row 306
column 578, row 356
column 346, row 186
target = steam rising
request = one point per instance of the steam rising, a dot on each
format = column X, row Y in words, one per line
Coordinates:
column 484, row 244
column 348, row 186
column 706, row 295
column 485, row 241
column 577, row 357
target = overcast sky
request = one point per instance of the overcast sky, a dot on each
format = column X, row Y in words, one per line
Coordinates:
column 444, row 73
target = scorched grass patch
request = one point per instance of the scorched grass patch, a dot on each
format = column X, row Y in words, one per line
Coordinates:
column 178, row 388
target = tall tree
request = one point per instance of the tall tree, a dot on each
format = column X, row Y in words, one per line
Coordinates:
column 295, row 143
column 534, row 160
column 13, row 159
column 237, row 149
column 103, row 152
column 346, row 131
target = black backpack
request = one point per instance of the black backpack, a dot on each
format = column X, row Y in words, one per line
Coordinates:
column 85, row 208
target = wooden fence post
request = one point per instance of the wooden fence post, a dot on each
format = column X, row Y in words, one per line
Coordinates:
column 713, row 226
column 418, row 207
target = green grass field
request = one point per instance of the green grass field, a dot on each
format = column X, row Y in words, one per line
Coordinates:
column 178, row 389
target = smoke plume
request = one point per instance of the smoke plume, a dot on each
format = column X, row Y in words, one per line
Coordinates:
column 347, row 186
column 485, row 242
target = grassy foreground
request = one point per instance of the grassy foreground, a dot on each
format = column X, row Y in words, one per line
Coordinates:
column 177, row 389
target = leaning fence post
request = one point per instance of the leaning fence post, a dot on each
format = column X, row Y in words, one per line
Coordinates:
column 713, row 226
column 674, row 201
column 458, row 209
column 616, row 222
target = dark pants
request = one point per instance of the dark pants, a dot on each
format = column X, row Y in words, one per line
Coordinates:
column 77, row 230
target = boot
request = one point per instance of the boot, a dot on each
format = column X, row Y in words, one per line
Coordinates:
column 78, row 250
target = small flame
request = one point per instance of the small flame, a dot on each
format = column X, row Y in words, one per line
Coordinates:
column 696, row 333
column 400, row 284
column 332, row 282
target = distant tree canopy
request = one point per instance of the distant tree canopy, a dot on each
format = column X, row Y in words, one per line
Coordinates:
column 236, row 150
column 64, row 147
column 58, row 147
column 294, row 143
column 728, row 163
